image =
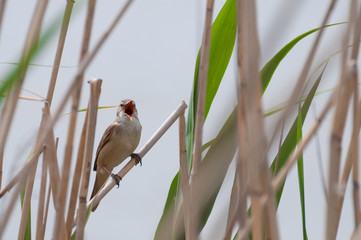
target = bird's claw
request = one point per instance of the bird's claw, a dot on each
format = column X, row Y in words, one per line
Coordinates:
column 137, row 158
column 116, row 178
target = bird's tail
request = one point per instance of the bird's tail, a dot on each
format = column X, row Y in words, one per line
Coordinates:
column 100, row 180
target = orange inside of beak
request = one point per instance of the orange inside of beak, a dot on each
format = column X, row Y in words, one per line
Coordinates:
column 129, row 109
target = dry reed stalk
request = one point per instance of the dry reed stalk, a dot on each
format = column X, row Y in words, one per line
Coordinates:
column 346, row 168
column 355, row 155
column 2, row 143
column 11, row 101
column 59, row 50
column 31, row 98
column 238, row 203
column 356, row 112
column 76, row 178
column 233, row 210
column 51, row 159
column 342, row 99
column 51, row 88
column 237, row 212
column 237, row 208
column 41, row 205
column 194, row 218
column 342, row 181
column 243, row 233
column 2, row 9
column 23, row 172
column 46, row 211
column 95, row 88
column 142, row 152
column 62, row 195
column 356, row 235
column 184, row 175
column 80, row 156
column 256, row 142
column 202, row 86
column 4, row 220
column 31, row 176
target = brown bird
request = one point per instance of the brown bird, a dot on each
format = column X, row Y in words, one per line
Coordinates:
column 119, row 141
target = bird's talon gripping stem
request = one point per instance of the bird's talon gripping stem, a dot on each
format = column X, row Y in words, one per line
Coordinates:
column 116, row 179
column 137, row 158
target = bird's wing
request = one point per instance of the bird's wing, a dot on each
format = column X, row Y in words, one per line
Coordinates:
column 105, row 139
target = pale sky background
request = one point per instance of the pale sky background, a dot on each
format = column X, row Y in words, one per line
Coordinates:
column 150, row 57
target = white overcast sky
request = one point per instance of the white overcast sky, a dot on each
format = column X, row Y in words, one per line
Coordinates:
column 150, row 58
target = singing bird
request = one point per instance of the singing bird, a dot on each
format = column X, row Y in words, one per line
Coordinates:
column 118, row 142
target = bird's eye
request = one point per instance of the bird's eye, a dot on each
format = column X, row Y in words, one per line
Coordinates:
column 121, row 105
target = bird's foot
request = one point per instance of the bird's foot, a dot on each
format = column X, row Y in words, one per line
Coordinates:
column 116, row 178
column 137, row 158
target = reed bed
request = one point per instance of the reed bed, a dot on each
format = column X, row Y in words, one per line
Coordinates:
column 243, row 139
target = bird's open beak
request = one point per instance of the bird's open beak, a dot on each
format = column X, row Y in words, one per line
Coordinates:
column 129, row 110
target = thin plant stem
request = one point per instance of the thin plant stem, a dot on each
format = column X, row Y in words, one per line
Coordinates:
column 30, row 182
column 202, row 86
column 46, row 210
column 2, row 9
column 76, row 178
column 355, row 155
column 59, row 51
column 95, row 86
column 58, row 224
column 77, row 171
column 184, row 176
column 41, row 205
column 4, row 220
column 198, row 130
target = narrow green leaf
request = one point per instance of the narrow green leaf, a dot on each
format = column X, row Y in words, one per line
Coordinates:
column 162, row 232
column 27, row 235
column 300, row 174
column 267, row 71
column 219, row 157
column 87, row 215
column 290, row 141
column 208, row 144
column 270, row 67
column 222, row 43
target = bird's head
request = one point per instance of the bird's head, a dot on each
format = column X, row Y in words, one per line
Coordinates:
column 127, row 108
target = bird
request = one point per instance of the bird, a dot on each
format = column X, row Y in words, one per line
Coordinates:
column 119, row 141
